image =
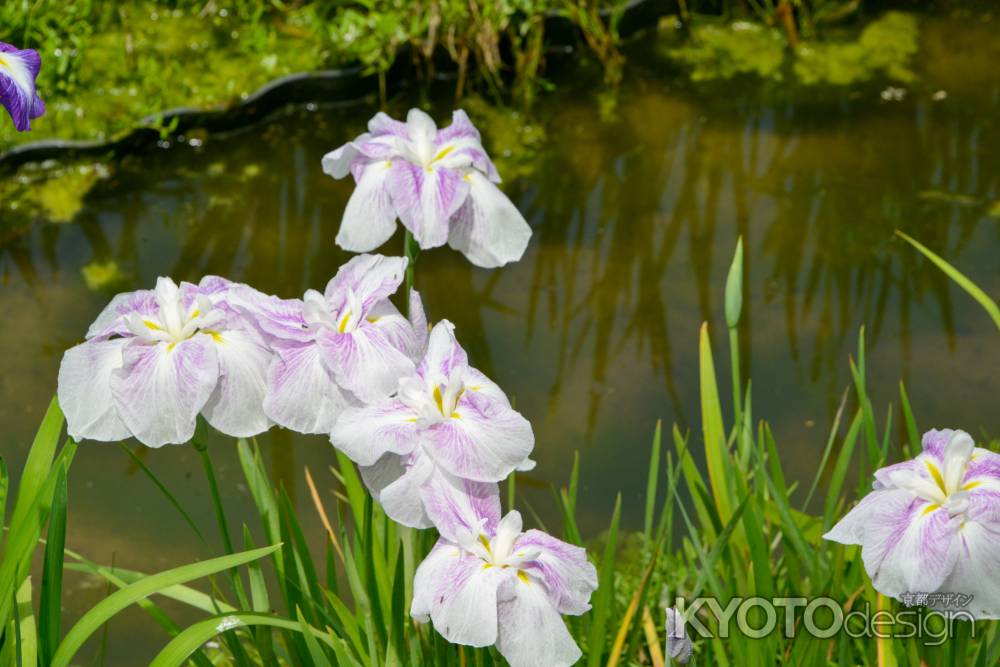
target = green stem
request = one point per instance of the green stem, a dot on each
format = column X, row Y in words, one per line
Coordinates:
column 734, row 360
column 411, row 251
column 220, row 515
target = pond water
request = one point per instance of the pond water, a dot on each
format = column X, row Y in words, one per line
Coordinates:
column 594, row 332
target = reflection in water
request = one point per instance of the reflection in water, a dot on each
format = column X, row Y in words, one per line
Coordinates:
column 594, row 332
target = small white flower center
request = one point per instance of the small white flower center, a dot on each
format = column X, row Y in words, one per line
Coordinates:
column 945, row 485
column 173, row 322
column 498, row 552
column 318, row 314
column 434, row 401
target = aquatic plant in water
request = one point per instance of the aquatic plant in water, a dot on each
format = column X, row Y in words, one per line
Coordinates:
column 441, row 185
column 932, row 524
column 18, row 70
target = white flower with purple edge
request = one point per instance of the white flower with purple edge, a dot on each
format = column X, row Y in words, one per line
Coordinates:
column 331, row 350
column 488, row 583
column 448, row 425
column 439, row 183
column 18, row 70
column 932, row 524
column 156, row 359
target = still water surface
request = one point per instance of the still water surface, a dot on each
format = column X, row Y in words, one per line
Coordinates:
column 594, row 332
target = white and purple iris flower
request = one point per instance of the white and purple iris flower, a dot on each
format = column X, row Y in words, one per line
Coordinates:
column 932, row 524
column 344, row 346
column 490, row 584
column 447, row 431
column 441, row 185
column 18, row 70
column 156, row 359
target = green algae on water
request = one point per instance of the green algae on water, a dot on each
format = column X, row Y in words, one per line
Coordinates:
column 103, row 276
column 884, row 47
column 720, row 51
column 723, row 51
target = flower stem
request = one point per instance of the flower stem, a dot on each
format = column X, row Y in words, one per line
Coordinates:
column 200, row 444
column 410, row 250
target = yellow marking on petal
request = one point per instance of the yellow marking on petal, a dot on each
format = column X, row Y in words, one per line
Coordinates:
column 388, row 164
column 467, row 178
column 4, row 63
column 412, row 420
column 485, row 542
column 342, row 327
column 522, row 576
column 195, row 313
column 152, row 325
column 474, row 387
column 216, row 336
column 455, row 415
column 936, row 474
column 443, row 152
column 970, row 486
column 438, row 399
column 171, row 346
column 373, row 320
column 930, row 508
column 487, row 566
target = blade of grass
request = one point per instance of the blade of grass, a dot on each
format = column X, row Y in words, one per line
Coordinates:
column 316, row 655
column 175, row 653
column 604, row 597
column 39, row 461
column 50, row 603
column 27, row 633
column 652, row 638
column 104, row 610
column 322, row 514
column 652, row 481
column 833, row 493
column 716, row 452
column 912, row 434
column 163, row 489
column 631, row 610
column 826, row 451
column 4, row 490
column 988, row 304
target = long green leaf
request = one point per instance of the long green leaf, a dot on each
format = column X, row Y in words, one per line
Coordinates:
column 604, row 597
column 23, row 536
column 163, row 490
column 39, row 461
column 104, row 610
column 121, row 578
column 988, row 304
column 316, row 656
column 183, row 645
column 27, row 634
column 4, row 489
column 652, row 482
column 49, row 615
column 716, row 451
